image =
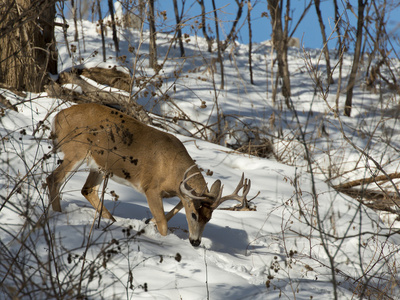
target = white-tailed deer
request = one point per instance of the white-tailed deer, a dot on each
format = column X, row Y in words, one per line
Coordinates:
column 154, row 162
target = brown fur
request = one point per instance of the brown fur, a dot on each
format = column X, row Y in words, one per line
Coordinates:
column 116, row 145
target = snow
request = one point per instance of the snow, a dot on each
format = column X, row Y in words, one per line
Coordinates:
column 279, row 250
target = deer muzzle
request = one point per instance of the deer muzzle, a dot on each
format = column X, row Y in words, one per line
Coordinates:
column 195, row 243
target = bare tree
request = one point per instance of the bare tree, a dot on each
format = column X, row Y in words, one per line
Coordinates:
column 74, row 16
column 204, row 25
column 380, row 46
column 102, row 28
column 356, row 59
column 113, row 26
column 27, row 43
column 179, row 26
column 218, row 45
column 279, row 39
column 153, row 45
column 134, row 13
column 337, row 28
column 324, row 40
column 233, row 32
column 249, row 8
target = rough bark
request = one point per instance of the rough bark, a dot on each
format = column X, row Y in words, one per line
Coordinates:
column 337, row 28
column 153, row 45
column 324, row 40
column 249, row 8
column 27, row 43
column 356, row 59
column 75, row 17
column 178, row 28
column 204, row 26
column 113, row 26
column 102, row 28
column 279, row 39
column 221, row 63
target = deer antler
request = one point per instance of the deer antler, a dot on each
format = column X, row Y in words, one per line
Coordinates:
column 215, row 199
column 243, row 183
column 186, row 189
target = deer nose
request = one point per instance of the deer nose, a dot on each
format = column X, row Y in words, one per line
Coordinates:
column 195, row 243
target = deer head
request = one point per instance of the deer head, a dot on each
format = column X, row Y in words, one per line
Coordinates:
column 206, row 202
column 156, row 163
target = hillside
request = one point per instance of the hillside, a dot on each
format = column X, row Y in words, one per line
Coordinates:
column 304, row 240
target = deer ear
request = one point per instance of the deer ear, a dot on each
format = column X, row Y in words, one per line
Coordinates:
column 215, row 189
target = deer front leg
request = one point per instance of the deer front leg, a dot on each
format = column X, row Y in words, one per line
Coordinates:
column 157, row 210
column 169, row 215
column 174, row 211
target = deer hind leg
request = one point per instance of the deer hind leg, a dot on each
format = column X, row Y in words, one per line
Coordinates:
column 56, row 179
column 90, row 192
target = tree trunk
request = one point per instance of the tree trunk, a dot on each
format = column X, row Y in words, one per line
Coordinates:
column 221, row 63
column 279, row 39
column 113, row 26
column 325, row 47
column 204, row 26
column 249, row 8
column 101, row 24
column 27, row 43
column 337, row 28
column 232, row 33
column 178, row 28
column 75, row 17
column 153, row 46
column 286, row 92
column 356, row 59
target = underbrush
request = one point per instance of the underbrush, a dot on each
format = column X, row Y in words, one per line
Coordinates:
column 317, row 234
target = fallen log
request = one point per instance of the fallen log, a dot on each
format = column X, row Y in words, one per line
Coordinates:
column 368, row 180
column 381, row 199
column 87, row 93
column 111, row 77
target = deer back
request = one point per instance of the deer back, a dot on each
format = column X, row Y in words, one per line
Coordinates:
column 145, row 157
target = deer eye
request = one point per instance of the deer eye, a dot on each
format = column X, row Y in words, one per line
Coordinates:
column 194, row 216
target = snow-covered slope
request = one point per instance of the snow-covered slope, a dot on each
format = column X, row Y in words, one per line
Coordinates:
column 302, row 235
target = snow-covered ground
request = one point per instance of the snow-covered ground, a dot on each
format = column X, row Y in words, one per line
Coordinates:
column 302, row 236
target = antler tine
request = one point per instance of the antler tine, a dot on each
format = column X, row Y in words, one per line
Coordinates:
column 240, row 185
column 243, row 183
column 186, row 189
